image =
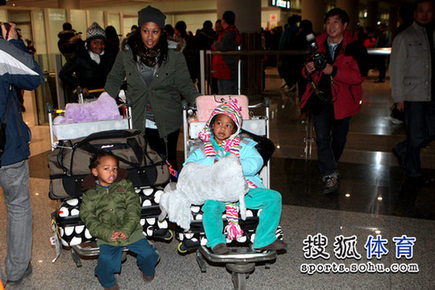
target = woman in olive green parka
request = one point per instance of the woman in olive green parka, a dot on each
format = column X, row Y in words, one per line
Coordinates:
column 157, row 80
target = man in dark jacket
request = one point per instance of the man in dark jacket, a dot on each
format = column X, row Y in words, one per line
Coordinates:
column 287, row 70
column 17, row 69
column 334, row 94
column 225, row 66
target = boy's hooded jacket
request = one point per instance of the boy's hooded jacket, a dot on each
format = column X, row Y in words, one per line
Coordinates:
column 113, row 209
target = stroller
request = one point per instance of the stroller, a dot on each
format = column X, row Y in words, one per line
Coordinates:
column 72, row 146
column 241, row 260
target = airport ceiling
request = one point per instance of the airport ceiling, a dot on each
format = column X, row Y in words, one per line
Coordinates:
column 84, row 4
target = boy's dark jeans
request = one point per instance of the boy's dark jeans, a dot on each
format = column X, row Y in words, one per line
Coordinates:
column 109, row 261
column 330, row 138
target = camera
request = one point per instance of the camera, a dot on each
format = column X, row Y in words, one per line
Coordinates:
column 7, row 27
column 318, row 58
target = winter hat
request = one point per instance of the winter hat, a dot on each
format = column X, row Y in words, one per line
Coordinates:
column 95, row 31
column 232, row 110
column 151, row 14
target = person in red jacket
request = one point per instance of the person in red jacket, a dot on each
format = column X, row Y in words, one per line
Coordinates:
column 224, row 67
column 334, row 93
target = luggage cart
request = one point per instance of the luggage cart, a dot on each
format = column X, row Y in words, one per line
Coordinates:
column 240, row 261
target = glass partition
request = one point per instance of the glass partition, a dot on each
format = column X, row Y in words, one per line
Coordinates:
column 129, row 21
column 96, row 16
column 46, row 93
column 22, row 19
column 38, row 27
column 114, row 20
column 56, row 17
column 78, row 18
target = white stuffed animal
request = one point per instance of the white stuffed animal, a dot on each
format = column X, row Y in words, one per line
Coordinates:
column 197, row 183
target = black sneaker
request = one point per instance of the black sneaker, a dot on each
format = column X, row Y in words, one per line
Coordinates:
column 221, row 249
column 277, row 245
column 399, row 157
column 331, row 185
column 26, row 273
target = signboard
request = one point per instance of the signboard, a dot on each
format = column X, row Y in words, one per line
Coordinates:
column 273, row 20
column 281, row 3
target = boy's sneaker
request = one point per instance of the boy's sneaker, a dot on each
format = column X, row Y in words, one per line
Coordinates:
column 221, row 249
column 331, row 185
column 114, row 287
column 147, row 278
column 275, row 246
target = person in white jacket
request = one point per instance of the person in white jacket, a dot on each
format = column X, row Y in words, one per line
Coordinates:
column 412, row 87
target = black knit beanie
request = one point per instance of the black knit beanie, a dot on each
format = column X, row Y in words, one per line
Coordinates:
column 151, row 14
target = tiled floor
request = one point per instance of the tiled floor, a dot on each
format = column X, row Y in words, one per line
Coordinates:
column 372, row 200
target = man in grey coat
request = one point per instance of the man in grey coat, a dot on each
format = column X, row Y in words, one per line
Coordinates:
column 412, row 87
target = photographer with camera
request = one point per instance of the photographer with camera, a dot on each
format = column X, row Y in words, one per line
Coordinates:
column 335, row 70
column 17, row 69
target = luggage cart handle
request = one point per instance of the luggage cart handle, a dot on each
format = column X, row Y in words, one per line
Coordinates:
column 96, row 91
column 265, row 104
column 51, row 109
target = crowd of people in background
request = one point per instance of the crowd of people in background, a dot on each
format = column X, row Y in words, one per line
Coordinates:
column 88, row 68
column 291, row 36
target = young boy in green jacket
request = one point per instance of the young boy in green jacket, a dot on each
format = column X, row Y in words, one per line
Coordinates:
column 111, row 211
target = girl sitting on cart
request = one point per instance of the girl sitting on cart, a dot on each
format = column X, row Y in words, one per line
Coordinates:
column 111, row 211
column 220, row 138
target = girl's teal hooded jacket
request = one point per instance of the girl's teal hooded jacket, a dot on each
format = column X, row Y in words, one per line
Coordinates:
column 250, row 159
